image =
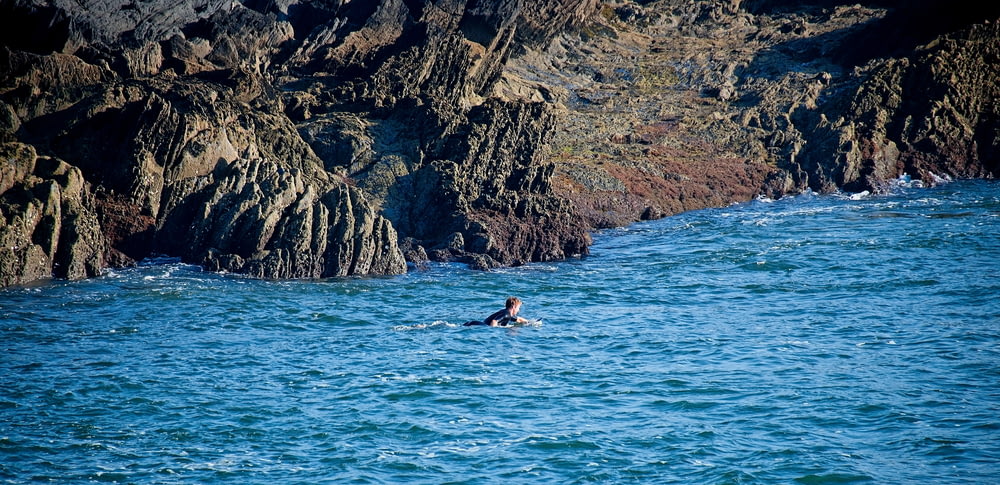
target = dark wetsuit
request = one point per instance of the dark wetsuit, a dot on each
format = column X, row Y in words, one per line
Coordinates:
column 502, row 318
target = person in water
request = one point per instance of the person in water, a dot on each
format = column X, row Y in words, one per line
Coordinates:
column 504, row 317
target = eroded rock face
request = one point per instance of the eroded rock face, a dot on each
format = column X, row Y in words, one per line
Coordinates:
column 305, row 139
column 930, row 115
column 258, row 218
column 48, row 226
column 676, row 105
column 426, row 139
column 185, row 167
column 224, row 133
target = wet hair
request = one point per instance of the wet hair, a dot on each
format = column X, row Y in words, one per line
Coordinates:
column 511, row 302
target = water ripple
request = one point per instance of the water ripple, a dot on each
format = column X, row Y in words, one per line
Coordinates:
column 808, row 340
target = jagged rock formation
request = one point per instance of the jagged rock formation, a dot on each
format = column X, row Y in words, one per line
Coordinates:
column 49, row 224
column 930, row 115
column 302, row 139
column 680, row 105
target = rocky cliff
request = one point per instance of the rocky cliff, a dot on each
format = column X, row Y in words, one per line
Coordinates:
column 305, row 139
column 681, row 105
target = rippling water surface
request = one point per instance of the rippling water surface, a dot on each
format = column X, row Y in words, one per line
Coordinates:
column 816, row 339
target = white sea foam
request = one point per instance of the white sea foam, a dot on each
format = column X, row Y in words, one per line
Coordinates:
column 941, row 179
column 904, row 181
column 422, row 326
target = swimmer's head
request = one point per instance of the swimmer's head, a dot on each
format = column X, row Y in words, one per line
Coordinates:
column 512, row 303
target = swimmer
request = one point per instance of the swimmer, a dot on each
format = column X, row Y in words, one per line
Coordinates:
column 504, row 317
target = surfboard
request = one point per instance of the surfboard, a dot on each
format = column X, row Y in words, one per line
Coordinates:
column 536, row 322
column 532, row 322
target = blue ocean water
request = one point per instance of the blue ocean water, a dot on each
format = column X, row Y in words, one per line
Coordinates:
column 814, row 339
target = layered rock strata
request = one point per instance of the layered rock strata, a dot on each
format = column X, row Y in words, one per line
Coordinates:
column 292, row 139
